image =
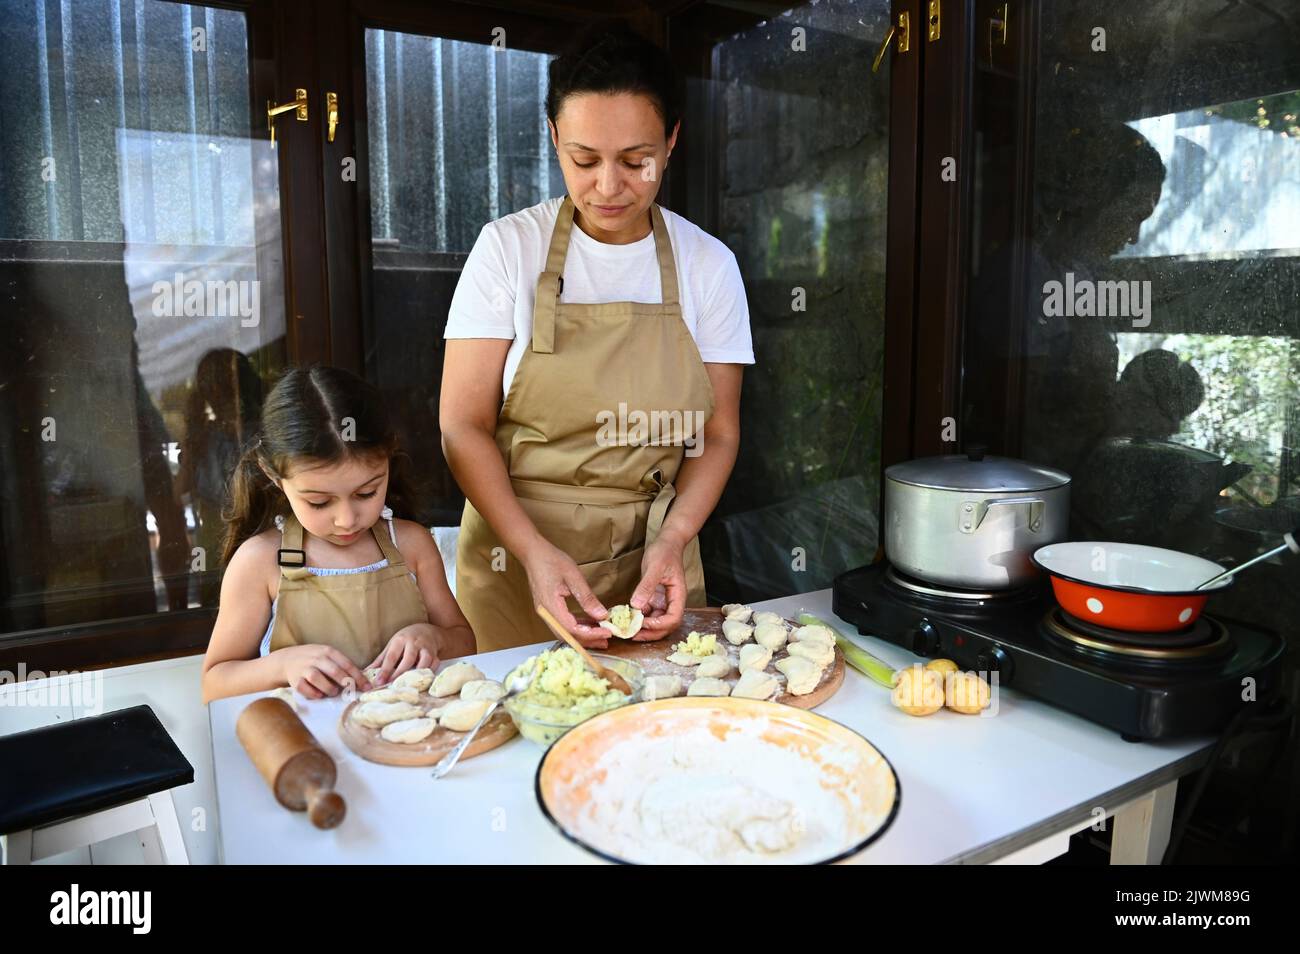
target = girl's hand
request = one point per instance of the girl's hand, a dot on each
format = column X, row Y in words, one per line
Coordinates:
column 553, row 576
column 661, row 594
column 417, row 646
column 317, row 671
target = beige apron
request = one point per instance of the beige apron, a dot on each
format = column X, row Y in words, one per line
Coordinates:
column 356, row 613
column 599, row 501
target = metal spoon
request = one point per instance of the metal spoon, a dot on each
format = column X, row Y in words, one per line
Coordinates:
column 517, row 685
column 609, row 675
column 1288, row 543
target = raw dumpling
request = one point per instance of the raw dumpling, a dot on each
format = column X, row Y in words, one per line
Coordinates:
column 709, row 687
column 771, row 635
column 409, row 731
column 696, row 648
column 624, row 621
column 463, row 714
column 482, row 690
column 813, row 652
column 736, row 632
column 452, row 679
column 376, row 715
column 768, row 617
column 371, row 674
column 756, row 684
column 738, row 612
column 661, row 687
column 813, row 634
column 801, row 675
column 417, row 679
column 393, row 693
column 754, row 656
column 715, row 667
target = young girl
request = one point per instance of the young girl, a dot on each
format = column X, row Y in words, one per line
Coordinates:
column 320, row 580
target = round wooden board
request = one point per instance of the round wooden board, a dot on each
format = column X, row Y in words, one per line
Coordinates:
column 653, row 658
column 372, row 747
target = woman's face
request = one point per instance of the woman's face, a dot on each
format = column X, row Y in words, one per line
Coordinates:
column 613, row 152
column 339, row 501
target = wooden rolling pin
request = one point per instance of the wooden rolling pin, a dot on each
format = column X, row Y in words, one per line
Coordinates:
column 299, row 771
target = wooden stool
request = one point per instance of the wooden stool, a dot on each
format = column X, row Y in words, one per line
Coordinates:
column 77, row 783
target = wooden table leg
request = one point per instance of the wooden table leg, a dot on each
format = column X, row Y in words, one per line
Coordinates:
column 1141, row 828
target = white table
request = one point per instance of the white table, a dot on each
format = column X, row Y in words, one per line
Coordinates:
column 1011, row 787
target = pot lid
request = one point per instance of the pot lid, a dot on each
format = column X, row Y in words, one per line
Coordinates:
column 977, row 473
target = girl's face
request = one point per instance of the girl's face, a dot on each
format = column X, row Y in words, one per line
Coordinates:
column 613, row 152
column 340, row 501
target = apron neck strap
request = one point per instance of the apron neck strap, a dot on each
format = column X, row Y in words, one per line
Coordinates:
column 292, row 556
column 664, row 251
column 386, row 546
column 551, row 282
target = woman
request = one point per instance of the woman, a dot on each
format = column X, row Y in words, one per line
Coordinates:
column 574, row 323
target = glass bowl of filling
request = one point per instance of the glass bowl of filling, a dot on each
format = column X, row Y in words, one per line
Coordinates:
column 565, row 693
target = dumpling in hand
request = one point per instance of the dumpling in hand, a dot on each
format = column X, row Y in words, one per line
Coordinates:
column 814, row 652
column 462, row 714
column 408, row 731
column 801, row 675
column 452, row 679
column 754, row 656
column 624, row 621
column 736, row 632
column 661, row 687
column 756, row 684
column 771, row 635
column 715, row 667
column 738, row 612
column 709, row 687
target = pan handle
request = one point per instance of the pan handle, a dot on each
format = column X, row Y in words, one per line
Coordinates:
column 972, row 512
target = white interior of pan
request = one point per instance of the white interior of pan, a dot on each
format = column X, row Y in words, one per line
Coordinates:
column 1131, row 565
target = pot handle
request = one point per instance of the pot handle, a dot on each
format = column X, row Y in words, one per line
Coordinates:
column 973, row 512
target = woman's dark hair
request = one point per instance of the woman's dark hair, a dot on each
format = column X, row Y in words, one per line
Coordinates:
column 315, row 415
column 610, row 57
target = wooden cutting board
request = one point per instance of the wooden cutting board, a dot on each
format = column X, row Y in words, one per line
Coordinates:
column 653, row 658
column 372, row 747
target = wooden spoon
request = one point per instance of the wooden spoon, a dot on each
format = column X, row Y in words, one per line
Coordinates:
column 613, row 678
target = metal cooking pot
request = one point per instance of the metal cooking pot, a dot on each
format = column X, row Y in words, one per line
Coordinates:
column 973, row 522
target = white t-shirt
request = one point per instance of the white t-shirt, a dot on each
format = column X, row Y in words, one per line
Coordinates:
column 495, row 294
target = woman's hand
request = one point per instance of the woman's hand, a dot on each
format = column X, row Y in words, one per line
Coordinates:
column 417, row 646
column 553, row 576
column 661, row 594
column 317, row 671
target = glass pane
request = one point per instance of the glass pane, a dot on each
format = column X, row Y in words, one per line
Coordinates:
column 802, row 130
column 140, row 261
column 457, row 137
column 1157, row 300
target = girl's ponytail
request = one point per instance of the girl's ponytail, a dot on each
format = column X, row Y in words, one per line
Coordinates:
column 252, row 503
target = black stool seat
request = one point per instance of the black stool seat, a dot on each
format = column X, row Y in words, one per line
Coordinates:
column 86, row 765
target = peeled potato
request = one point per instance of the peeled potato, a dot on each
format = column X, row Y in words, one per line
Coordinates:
column 918, row 691
column 942, row 667
column 966, row 692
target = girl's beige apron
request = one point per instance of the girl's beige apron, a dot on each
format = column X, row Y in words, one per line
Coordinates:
column 356, row 613
column 598, row 499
